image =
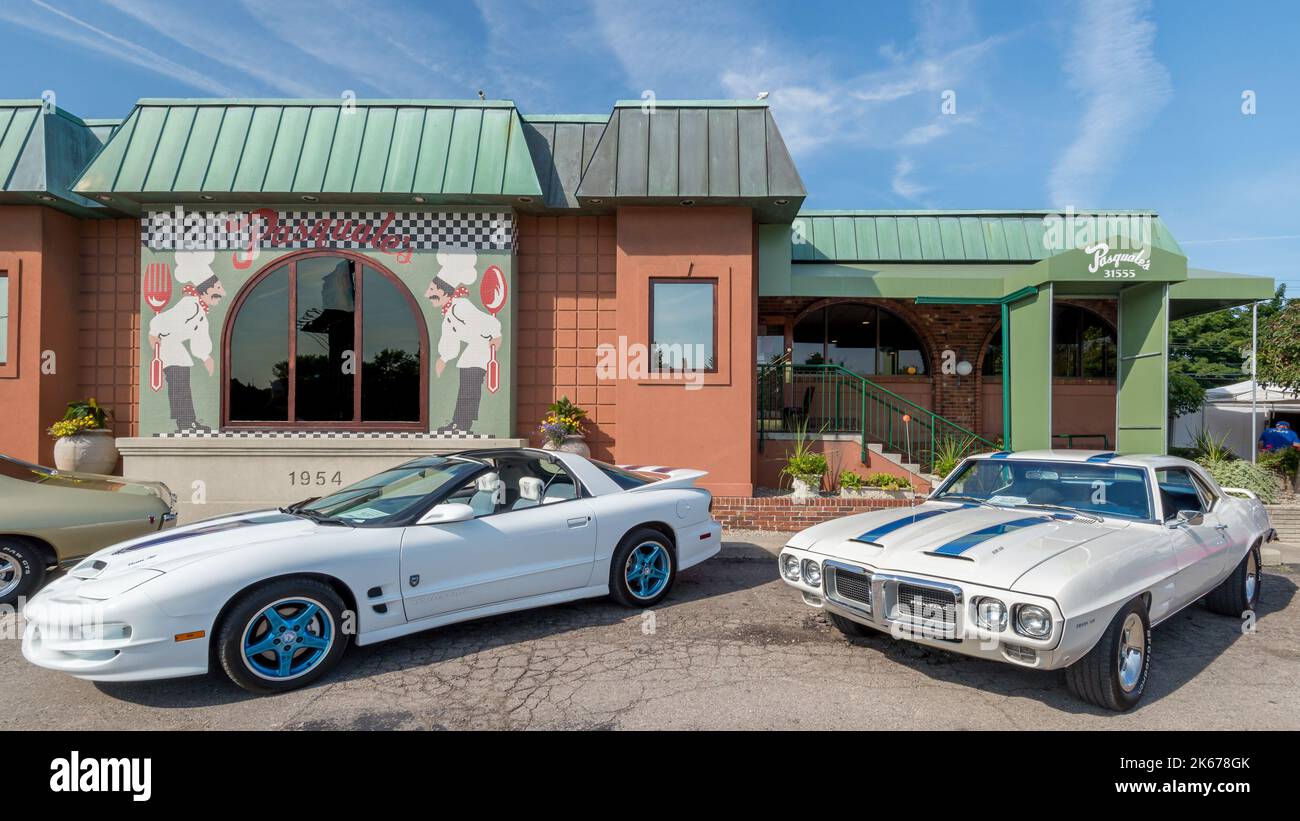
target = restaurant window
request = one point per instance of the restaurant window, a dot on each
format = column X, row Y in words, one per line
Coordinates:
column 684, row 324
column 4, row 318
column 1083, row 345
column 863, row 338
column 327, row 341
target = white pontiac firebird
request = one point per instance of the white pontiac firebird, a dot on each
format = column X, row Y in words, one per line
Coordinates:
column 274, row 597
column 1047, row 560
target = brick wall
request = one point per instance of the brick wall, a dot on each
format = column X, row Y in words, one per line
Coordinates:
column 566, row 287
column 109, row 319
column 780, row 514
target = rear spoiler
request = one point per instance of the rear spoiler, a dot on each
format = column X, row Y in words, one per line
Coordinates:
column 672, row 477
column 1240, row 491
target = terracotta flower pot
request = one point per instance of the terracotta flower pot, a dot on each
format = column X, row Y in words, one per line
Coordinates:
column 90, row 451
column 573, row 443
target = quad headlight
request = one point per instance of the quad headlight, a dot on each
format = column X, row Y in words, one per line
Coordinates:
column 790, row 567
column 991, row 614
column 1033, row 621
column 812, row 572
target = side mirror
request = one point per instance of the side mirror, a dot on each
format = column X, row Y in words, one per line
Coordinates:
column 445, row 514
column 1191, row 517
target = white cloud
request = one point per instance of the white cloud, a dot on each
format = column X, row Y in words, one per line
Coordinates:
column 43, row 18
column 1111, row 63
column 902, row 184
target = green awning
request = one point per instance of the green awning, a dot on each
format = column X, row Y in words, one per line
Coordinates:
column 950, row 236
column 390, row 151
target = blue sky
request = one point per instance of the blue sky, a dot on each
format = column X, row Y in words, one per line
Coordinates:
column 1105, row 104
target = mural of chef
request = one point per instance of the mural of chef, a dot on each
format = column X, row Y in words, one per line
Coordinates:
column 470, row 336
column 180, row 334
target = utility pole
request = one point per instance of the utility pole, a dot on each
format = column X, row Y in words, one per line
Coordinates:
column 1254, row 369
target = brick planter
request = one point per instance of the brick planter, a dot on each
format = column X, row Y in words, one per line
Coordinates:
column 778, row 513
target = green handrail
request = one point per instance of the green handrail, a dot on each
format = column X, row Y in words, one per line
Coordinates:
column 825, row 397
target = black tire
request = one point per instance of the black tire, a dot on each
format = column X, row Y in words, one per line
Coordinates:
column 644, row 541
column 848, row 627
column 1240, row 591
column 22, row 569
column 249, row 615
column 1097, row 677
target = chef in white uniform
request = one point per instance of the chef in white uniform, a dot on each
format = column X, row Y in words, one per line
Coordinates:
column 469, row 334
column 181, row 333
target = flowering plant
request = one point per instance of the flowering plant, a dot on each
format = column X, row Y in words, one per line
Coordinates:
column 80, row 415
column 563, row 418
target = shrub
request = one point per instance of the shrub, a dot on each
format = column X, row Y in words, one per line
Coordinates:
column 851, row 480
column 804, row 463
column 948, row 453
column 1240, row 473
column 1283, row 462
column 888, row 481
column 1210, row 449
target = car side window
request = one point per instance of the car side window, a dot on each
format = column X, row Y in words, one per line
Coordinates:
column 1178, row 491
column 1208, row 496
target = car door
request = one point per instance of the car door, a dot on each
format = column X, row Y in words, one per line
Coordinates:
column 1201, row 547
column 506, row 555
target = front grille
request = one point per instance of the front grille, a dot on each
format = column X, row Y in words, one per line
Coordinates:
column 927, row 605
column 852, row 586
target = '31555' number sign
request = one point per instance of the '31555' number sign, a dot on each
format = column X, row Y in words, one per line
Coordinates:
column 305, row 478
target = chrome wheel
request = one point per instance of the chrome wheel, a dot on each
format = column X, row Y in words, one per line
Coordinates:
column 288, row 638
column 1252, row 577
column 647, row 571
column 1132, row 652
column 11, row 574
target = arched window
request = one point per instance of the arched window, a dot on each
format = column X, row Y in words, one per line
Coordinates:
column 864, row 338
column 325, row 340
column 1083, row 345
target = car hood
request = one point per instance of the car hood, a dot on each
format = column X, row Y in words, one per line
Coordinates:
column 174, row 548
column 971, row 543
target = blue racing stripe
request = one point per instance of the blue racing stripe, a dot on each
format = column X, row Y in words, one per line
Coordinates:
column 897, row 524
column 961, row 544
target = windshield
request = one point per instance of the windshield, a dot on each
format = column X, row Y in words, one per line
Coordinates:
column 386, row 496
column 1089, row 488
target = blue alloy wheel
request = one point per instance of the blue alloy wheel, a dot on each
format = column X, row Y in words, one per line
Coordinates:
column 647, row 571
column 288, row 638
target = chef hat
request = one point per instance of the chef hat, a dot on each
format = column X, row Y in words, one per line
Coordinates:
column 193, row 267
column 457, row 267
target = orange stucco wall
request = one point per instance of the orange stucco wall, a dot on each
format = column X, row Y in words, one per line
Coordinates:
column 659, row 421
column 77, row 311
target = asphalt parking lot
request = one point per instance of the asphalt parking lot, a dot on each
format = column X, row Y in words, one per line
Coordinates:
column 731, row 648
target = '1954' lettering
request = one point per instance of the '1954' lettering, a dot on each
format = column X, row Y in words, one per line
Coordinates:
column 302, row 478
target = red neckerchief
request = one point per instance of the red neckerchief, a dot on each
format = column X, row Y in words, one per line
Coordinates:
column 446, row 303
column 190, row 290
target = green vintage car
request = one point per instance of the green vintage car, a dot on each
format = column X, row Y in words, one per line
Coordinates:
column 48, row 517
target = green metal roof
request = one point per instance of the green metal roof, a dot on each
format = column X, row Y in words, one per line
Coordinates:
column 707, row 152
column 42, row 150
column 443, row 151
column 561, row 146
column 936, row 236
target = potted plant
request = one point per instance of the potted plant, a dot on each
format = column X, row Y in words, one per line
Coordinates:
column 562, row 428
column 949, row 453
column 886, row 486
column 805, row 467
column 84, row 444
column 851, row 484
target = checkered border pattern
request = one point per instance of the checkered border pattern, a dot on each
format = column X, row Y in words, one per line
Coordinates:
column 426, row 231
column 317, row 434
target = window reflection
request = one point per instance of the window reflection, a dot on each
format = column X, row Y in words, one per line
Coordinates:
column 259, row 352
column 863, row 338
column 326, row 323
column 390, row 374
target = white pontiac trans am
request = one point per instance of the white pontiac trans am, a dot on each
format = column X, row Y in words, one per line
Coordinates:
column 274, row 597
column 1047, row 560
